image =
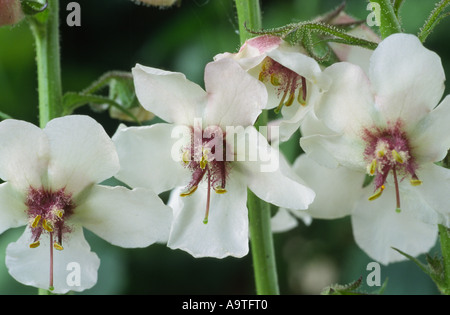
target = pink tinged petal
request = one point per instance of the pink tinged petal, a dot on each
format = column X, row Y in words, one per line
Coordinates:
column 253, row 51
column 147, row 158
column 126, row 218
column 377, row 227
column 12, row 208
column 407, row 78
column 24, row 154
column 268, row 177
column 435, row 190
column 169, row 95
column 225, row 234
column 31, row 266
column 431, row 136
column 355, row 54
column 235, row 98
column 348, row 105
column 337, row 189
column 82, row 153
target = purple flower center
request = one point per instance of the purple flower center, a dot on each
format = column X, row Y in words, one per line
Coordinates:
column 205, row 157
column 388, row 151
column 287, row 83
column 47, row 212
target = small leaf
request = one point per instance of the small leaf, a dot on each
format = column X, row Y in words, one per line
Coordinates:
column 72, row 101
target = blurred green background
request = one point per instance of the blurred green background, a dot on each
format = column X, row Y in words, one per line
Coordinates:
column 117, row 34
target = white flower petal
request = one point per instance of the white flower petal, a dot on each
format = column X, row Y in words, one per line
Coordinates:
column 431, row 136
column 24, row 154
column 283, row 221
column 301, row 64
column 146, row 158
column 266, row 177
column 12, row 208
column 235, row 98
column 126, row 218
column 82, row 153
column 337, row 189
column 348, row 105
column 225, row 234
column 377, row 227
column 31, row 266
column 435, row 190
column 407, row 78
column 334, row 150
column 169, row 95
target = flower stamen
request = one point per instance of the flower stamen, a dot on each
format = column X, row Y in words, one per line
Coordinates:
column 36, row 221
column 397, row 191
column 377, row 193
column 35, row 244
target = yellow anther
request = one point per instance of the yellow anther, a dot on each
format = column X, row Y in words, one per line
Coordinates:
column 203, row 163
column 220, row 190
column 57, row 246
column 300, row 98
column 47, row 226
column 186, row 157
column 189, row 192
column 35, row 244
column 36, row 221
column 377, row 193
column 290, row 100
column 415, row 182
column 274, row 80
column 261, row 76
column 380, row 153
column 372, row 167
column 397, row 157
column 59, row 213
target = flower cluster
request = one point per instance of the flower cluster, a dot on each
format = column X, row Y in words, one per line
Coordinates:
column 373, row 137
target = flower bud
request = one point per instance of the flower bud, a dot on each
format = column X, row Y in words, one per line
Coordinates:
column 10, row 12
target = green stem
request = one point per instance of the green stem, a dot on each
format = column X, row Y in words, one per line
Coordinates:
column 444, row 235
column 45, row 29
column 261, row 239
column 249, row 16
column 388, row 18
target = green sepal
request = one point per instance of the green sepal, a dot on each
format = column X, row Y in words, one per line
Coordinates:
column 352, row 288
column 436, row 16
column 434, row 269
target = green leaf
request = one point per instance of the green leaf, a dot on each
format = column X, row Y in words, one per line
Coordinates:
column 346, row 289
column 72, row 101
column 4, row 116
column 434, row 269
column 436, row 16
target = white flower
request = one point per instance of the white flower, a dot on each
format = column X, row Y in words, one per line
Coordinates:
column 207, row 168
column 51, row 187
column 294, row 81
column 387, row 125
